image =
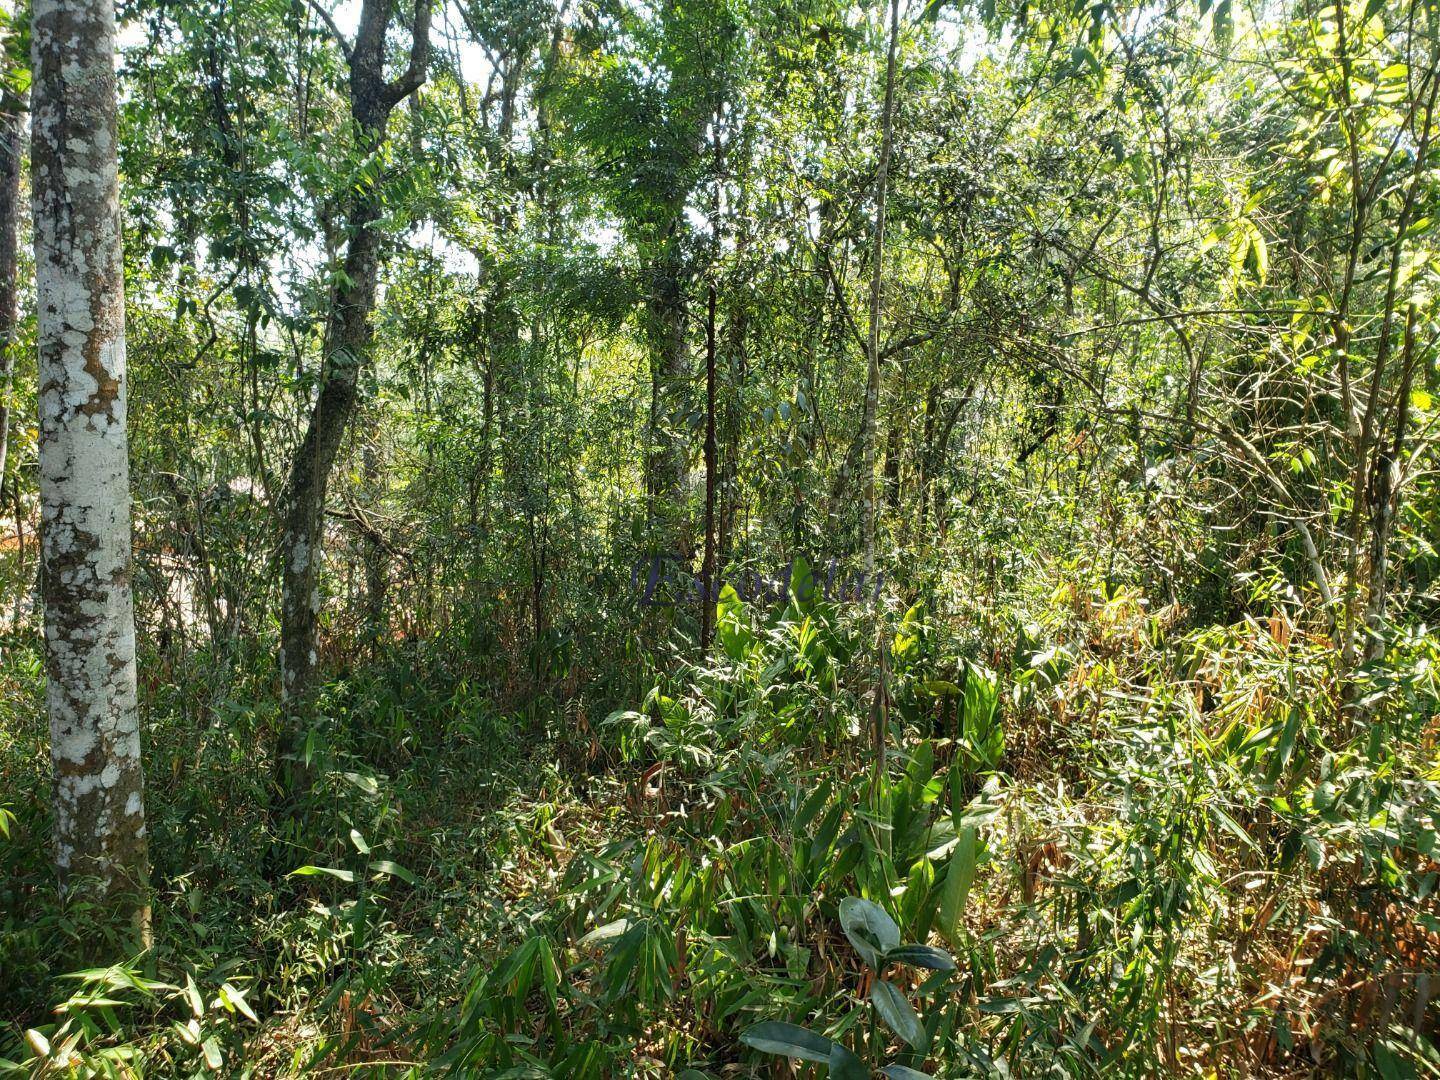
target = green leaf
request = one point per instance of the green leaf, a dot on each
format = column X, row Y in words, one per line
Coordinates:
column 1224, row 25
column 312, row 871
column 1391, row 1067
column 192, row 995
column 958, row 880
column 904, row 1072
column 89, row 1001
column 981, row 735
column 393, row 869
column 896, row 1011
column 803, row 590
column 844, row 1065
column 1258, row 259
column 735, row 634
column 605, row 933
column 788, row 1040
column 811, row 806
column 1083, row 57
column 1230, row 825
column 368, row 784
column 921, row 956
column 870, row 929
column 907, row 637
column 235, row 998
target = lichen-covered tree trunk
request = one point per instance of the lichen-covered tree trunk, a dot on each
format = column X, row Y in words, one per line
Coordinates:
column 372, row 99
column 84, row 475
column 303, row 536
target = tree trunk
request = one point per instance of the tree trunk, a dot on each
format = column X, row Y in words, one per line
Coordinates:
column 666, row 460
column 1384, row 498
column 890, row 469
column 1367, row 441
column 303, row 539
column 12, row 122
column 100, row 841
column 707, row 570
column 347, row 340
column 377, row 556
column 927, row 459
column 872, row 383
column 737, row 364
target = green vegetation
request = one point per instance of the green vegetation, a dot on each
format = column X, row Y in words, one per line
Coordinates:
column 850, row 540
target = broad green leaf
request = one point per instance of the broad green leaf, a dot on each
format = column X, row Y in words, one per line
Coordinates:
column 803, row 590
column 897, row 1012
column 958, row 880
column 869, row 927
column 921, row 956
column 844, row 1065
column 788, row 1040
column 736, row 637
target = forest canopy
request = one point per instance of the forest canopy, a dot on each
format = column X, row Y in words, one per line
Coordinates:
column 719, row 538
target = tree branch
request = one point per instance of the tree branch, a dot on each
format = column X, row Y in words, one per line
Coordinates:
column 414, row 75
column 345, row 46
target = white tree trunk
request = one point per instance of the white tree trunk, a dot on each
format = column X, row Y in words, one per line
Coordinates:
column 84, row 476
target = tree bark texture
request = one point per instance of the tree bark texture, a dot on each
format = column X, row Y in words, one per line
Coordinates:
column 84, row 474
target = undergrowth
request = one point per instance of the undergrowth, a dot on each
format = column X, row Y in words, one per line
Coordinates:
column 1093, row 843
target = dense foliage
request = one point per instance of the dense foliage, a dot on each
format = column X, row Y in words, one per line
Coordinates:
column 1125, row 760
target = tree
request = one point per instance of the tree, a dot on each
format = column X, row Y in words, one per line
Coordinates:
column 99, row 826
column 373, row 98
column 13, row 104
column 645, row 86
column 877, row 282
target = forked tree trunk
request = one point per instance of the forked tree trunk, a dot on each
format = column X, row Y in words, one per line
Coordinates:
column 100, row 839
column 347, row 340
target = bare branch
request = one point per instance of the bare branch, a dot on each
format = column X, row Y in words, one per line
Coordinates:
column 345, row 47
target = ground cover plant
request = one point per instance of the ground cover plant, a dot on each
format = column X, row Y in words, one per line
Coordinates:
column 719, row 539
